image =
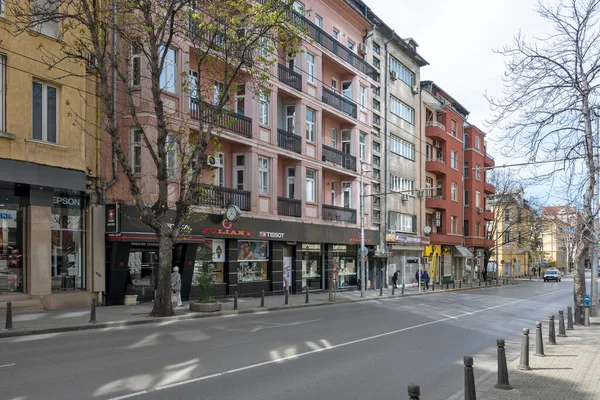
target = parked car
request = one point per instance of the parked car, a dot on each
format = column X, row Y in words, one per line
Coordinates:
column 552, row 275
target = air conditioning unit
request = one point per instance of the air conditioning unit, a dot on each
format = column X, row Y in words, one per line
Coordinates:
column 436, row 143
column 214, row 162
column 404, row 197
column 393, row 75
column 438, row 215
column 438, row 222
column 415, row 89
column 362, row 49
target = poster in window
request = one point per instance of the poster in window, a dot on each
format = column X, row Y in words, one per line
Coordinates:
column 218, row 250
column 287, row 273
column 253, row 250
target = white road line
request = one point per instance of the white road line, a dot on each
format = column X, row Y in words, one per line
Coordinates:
column 7, row 365
column 336, row 346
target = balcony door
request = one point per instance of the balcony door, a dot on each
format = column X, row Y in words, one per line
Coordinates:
column 291, row 62
column 346, row 141
column 240, row 99
column 239, row 171
column 347, row 194
column 220, row 170
column 347, row 89
column 193, row 90
column 290, row 186
column 290, row 118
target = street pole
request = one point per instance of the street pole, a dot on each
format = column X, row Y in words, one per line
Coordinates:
column 593, row 284
column 362, row 234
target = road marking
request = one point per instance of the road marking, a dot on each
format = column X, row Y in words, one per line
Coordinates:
column 332, row 347
column 7, row 365
column 262, row 327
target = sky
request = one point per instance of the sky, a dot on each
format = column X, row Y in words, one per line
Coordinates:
column 458, row 39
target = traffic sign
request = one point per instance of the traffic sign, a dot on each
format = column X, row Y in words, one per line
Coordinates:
column 364, row 252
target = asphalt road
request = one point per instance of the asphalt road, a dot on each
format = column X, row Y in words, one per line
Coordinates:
column 368, row 350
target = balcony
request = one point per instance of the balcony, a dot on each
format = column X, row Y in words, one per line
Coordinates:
column 289, row 207
column 438, row 203
column 488, row 215
column 204, row 112
column 289, row 77
column 340, row 158
column 339, row 214
column 478, row 242
column 441, row 238
column 289, row 141
column 328, row 42
column 436, row 166
column 489, row 188
column 488, row 161
column 435, row 130
column 342, row 103
column 222, row 197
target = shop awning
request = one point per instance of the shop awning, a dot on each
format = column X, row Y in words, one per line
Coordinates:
column 461, row 251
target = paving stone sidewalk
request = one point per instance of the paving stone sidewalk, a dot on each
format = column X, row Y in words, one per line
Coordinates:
column 115, row 316
column 570, row 370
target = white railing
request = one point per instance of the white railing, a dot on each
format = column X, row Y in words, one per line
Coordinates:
column 436, row 123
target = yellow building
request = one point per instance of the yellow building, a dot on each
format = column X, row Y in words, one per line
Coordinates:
column 557, row 222
column 47, row 170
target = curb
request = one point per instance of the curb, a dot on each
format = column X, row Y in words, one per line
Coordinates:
column 152, row 320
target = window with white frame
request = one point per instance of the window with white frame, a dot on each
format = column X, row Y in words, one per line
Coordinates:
column 346, row 195
column 239, row 171
column 298, row 7
column 136, row 151
column 363, row 96
column 454, row 191
column 220, row 170
column 351, row 45
column 404, row 185
column 402, row 147
column 2, row 88
column 362, row 146
column 466, row 169
column 334, row 138
column 376, row 62
column 453, row 159
column 319, row 21
column 403, row 73
column 135, row 74
column 466, row 197
column 264, row 107
column 218, row 88
column 376, row 48
column 310, row 67
column 41, row 9
column 333, row 193
column 290, row 190
column 506, row 237
column 478, row 172
column 402, row 222
column 376, row 146
column 264, row 49
column 453, row 128
column 477, row 143
column 336, row 34
column 477, row 199
column 240, row 99
column 454, row 224
column 171, row 148
column 478, row 229
column 311, row 120
column 263, row 175
column 402, row 110
column 311, row 185
column 168, row 74
column 45, row 112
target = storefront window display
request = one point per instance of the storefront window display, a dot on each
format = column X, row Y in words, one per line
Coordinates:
column 11, row 256
column 143, row 266
column 344, row 259
column 311, row 266
column 68, row 243
column 253, row 256
column 210, row 259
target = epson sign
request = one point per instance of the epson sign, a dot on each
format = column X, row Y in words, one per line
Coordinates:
column 67, row 201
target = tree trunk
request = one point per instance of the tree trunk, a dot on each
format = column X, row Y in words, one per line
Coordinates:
column 579, row 287
column 162, row 301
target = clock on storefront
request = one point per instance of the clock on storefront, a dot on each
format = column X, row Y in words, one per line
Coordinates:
column 233, row 213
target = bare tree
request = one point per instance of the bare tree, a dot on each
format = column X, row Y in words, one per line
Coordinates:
column 545, row 110
column 128, row 46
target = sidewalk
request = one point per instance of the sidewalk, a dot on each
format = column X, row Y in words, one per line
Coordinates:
column 570, row 369
column 114, row 316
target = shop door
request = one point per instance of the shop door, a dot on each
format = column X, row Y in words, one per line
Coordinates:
column 143, row 267
column 288, row 266
column 11, row 249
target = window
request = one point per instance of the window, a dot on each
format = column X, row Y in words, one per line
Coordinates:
column 376, row 48
column 264, row 48
column 351, row 45
column 346, row 194
column 42, row 10
column 310, row 67
column 239, row 168
column 334, row 138
column 478, row 229
column 376, row 146
column 363, row 97
column 454, row 224
column 402, row 222
column 264, row 107
column 477, row 199
column 428, row 186
column 298, row 7
column 402, row 110
column 290, row 190
column 347, row 89
column 466, row 169
column 334, row 86
column 346, row 141
column 376, row 105
column 376, row 119
column 136, row 151
column 362, row 146
column 290, row 118
column 454, row 191
column 506, row 215
column 220, row 170
column 477, row 144
column 376, row 62
column 170, row 147
column 376, row 160
column 336, row 34
column 376, row 90
column 218, row 88
column 466, row 142
column 477, row 172
column 402, row 147
column 45, row 112
column 311, row 194
column 506, row 237
column 333, row 193
column 466, row 197
column 2, row 88
column 319, row 21
column 453, row 160
column 263, row 175
column 311, row 119
column 135, row 66
column 398, row 184
column 240, row 99
column 376, row 173
column 453, row 128
column 168, row 74
column 403, row 73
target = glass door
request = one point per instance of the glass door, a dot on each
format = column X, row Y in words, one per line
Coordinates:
column 11, row 248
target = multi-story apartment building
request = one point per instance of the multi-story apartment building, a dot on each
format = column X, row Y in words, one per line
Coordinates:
column 558, row 236
column 47, row 165
column 291, row 161
column 478, row 211
column 443, row 118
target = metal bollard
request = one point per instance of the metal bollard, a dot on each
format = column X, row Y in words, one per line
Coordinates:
column 414, row 392
column 286, row 297
column 432, row 286
column 524, row 364
column 469, row 379
column 453, row 284
column 561, row 324
column 235, row 302
column 402, row 288
column 539, row 342
column 262, row 299
column 393, row 289
column 447, row 285
column 502, row 367
column 9, row 324
column 93, row 311
column 586, row 320
column 570, row 318
column 551, row 333
column 306, row 301
column 479, row 280
column 460, row 284
column 381, row 289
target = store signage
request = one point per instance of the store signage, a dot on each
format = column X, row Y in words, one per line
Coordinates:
column 339, row 247
column 64, row 201
column 311, row 247
column 5, row 215
column 112, row 218
column 228, row 232
column 357, row 239
column 272, row 235
column 406, row 239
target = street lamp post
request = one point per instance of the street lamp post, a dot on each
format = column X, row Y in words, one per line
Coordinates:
column 362, row 234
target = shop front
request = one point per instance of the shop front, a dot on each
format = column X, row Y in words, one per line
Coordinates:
column 406, row 257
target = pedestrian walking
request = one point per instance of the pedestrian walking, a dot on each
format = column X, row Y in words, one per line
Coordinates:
column 176, row 287
column 395, row 279
column 426, row 278
column 484, row 275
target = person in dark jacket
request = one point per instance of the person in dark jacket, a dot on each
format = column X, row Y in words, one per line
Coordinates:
column 395, row 279
column 426, row 279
